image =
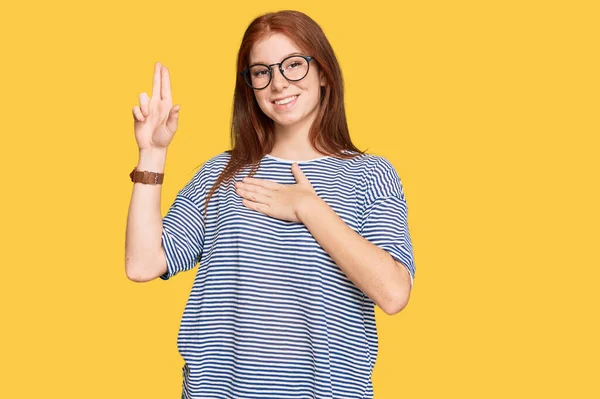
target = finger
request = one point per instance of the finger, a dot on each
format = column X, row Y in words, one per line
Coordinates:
column 298, row 174
column 144, row 101
column 166, row 83
column 171, row 124
column 262, row 208
column 137, row 114
column 254, row 196
column 156, row 81
column 262, row 182
column 255, row 189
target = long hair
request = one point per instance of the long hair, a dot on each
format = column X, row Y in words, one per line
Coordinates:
column 253, row 132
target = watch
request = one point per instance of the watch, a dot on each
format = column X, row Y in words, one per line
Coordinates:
column 146, row 177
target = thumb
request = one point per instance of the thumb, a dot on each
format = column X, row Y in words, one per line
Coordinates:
column 298, row 174
column 173, row 118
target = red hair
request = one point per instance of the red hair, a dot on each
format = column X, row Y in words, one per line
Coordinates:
column 253, row 132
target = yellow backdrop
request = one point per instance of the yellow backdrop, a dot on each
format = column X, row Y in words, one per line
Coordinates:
column 487, row 109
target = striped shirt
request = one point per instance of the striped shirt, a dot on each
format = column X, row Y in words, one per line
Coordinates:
column 270, row 315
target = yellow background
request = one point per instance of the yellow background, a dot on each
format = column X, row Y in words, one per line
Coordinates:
column 489, row 111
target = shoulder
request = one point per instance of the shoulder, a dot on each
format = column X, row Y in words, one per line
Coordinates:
column 207, row 174
column 218, row 161
column 382, row 177
column 373, row 164
column 212, row 166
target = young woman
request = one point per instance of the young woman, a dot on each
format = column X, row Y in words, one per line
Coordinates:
column 298, row 233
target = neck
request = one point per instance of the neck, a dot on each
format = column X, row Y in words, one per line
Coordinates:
column 293, row 140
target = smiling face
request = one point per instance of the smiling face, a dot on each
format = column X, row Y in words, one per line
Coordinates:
column 304, row 107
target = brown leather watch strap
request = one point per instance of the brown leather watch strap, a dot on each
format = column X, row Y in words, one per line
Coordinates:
column 146, row 177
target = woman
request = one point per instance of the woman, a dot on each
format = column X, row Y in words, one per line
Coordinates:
column 298, row 233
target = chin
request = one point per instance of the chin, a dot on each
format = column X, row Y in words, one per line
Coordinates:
column 286, row 121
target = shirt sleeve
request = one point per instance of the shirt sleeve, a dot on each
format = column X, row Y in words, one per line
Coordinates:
column 384, row 219
column 183, row 229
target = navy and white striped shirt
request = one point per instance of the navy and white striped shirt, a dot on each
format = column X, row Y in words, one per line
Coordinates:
column 270, row 314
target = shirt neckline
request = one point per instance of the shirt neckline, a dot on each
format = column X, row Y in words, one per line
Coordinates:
column 290, row 161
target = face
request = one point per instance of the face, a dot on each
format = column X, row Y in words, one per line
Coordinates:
column 308, row 90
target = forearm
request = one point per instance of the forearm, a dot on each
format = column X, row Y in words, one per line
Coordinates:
column 144, row 220
column 370, row 268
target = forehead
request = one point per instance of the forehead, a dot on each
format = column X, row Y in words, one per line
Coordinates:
column 272, row 49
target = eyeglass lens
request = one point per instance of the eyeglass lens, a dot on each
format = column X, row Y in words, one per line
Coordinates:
column 294, row 68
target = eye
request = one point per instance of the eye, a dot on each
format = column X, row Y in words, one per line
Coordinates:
column 258, row 74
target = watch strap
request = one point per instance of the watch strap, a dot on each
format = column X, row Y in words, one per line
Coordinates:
column 146, row 177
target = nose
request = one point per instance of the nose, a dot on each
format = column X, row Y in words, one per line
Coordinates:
column 279, row 81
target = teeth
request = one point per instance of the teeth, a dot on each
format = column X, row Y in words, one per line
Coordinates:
column 285, row 100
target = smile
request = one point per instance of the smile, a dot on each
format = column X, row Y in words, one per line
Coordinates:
column 285, row 103
column 285, row 100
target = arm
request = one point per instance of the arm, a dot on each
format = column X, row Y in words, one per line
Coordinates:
column 372, row 269
column 144, row 256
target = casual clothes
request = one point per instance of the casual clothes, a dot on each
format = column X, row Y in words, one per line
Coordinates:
column 270, row 314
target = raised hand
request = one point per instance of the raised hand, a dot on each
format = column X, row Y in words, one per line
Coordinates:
column 155, row 119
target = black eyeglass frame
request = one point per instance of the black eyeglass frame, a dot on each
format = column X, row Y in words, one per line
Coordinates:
column 308, row 59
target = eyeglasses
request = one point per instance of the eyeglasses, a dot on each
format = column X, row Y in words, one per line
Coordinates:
column 293, row 68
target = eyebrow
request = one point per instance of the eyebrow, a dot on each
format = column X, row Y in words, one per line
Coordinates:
column 284, row 57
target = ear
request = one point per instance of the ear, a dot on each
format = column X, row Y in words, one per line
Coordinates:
column 322, row 79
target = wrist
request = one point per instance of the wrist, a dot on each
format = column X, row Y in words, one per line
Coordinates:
column 307, row 205
column 152, row 160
